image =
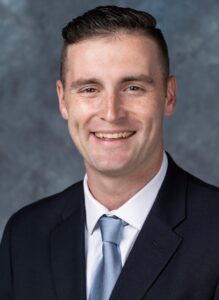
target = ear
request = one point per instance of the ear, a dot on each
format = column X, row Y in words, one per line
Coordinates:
column 62, row 101
column 170, row 100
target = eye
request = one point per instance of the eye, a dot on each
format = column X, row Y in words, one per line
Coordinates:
column 88, row 90
column 134, row 88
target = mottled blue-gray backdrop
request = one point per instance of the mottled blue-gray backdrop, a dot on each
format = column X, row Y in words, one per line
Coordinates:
column 36, row 154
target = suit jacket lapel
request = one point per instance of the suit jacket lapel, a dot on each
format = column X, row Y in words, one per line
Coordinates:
column 157, row 241
column 68, row 249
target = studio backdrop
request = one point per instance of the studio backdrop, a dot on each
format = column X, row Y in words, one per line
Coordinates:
column 37, row 157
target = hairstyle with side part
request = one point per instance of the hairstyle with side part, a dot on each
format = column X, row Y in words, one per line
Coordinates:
column 107, row 20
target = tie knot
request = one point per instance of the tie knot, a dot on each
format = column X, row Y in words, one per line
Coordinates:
column 110, row 228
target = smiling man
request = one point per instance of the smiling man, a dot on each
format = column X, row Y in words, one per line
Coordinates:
column 114, row 98
column 138, row 226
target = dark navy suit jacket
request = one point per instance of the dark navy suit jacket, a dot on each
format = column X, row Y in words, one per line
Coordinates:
column 175, row 257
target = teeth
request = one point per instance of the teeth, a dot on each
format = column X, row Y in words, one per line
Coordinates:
column 114, row 135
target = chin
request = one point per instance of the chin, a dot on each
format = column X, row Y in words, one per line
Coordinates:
column 112, row 170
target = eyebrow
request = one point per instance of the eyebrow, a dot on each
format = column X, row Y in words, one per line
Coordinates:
column 80, row 82
column 138, row 78
column 141, row 78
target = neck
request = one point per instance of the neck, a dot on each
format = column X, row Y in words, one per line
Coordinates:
column 105, row 189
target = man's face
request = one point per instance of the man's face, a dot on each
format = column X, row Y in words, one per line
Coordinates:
column 114, row 99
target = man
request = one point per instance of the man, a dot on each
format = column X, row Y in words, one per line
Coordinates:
column 138, row 227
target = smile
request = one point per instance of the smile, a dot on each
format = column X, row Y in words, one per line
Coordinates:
column 114, row 135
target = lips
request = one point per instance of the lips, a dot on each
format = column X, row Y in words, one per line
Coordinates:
column 114, row 135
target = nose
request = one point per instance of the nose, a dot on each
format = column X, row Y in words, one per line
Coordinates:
column 112, row 109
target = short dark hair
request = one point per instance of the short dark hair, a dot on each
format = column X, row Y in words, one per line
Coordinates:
column 106, row 20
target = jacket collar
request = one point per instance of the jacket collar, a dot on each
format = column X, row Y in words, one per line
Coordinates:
column 158, row 240
column 67, row 244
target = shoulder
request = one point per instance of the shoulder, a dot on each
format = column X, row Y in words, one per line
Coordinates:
column 202, row 186
column 47, row 212
column 180, row 176
column 198, row 194
column 202, row 200
column 203, row 196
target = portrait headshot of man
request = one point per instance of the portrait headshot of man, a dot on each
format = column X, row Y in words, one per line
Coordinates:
column 137, row 226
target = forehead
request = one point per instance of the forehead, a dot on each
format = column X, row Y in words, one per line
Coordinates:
column 113, row 52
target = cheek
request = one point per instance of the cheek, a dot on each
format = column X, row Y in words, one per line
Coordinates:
column 73, row 122
column 150, row 112
column 78, row 120
column 151, row 121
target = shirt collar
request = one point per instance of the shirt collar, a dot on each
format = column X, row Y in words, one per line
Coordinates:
column 134, row 211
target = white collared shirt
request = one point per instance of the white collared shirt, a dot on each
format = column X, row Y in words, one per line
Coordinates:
column 134, row 212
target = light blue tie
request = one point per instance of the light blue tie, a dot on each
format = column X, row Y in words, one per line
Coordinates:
column 110, row 266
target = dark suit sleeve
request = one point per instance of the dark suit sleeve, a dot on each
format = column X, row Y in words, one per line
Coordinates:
column 6, row 289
